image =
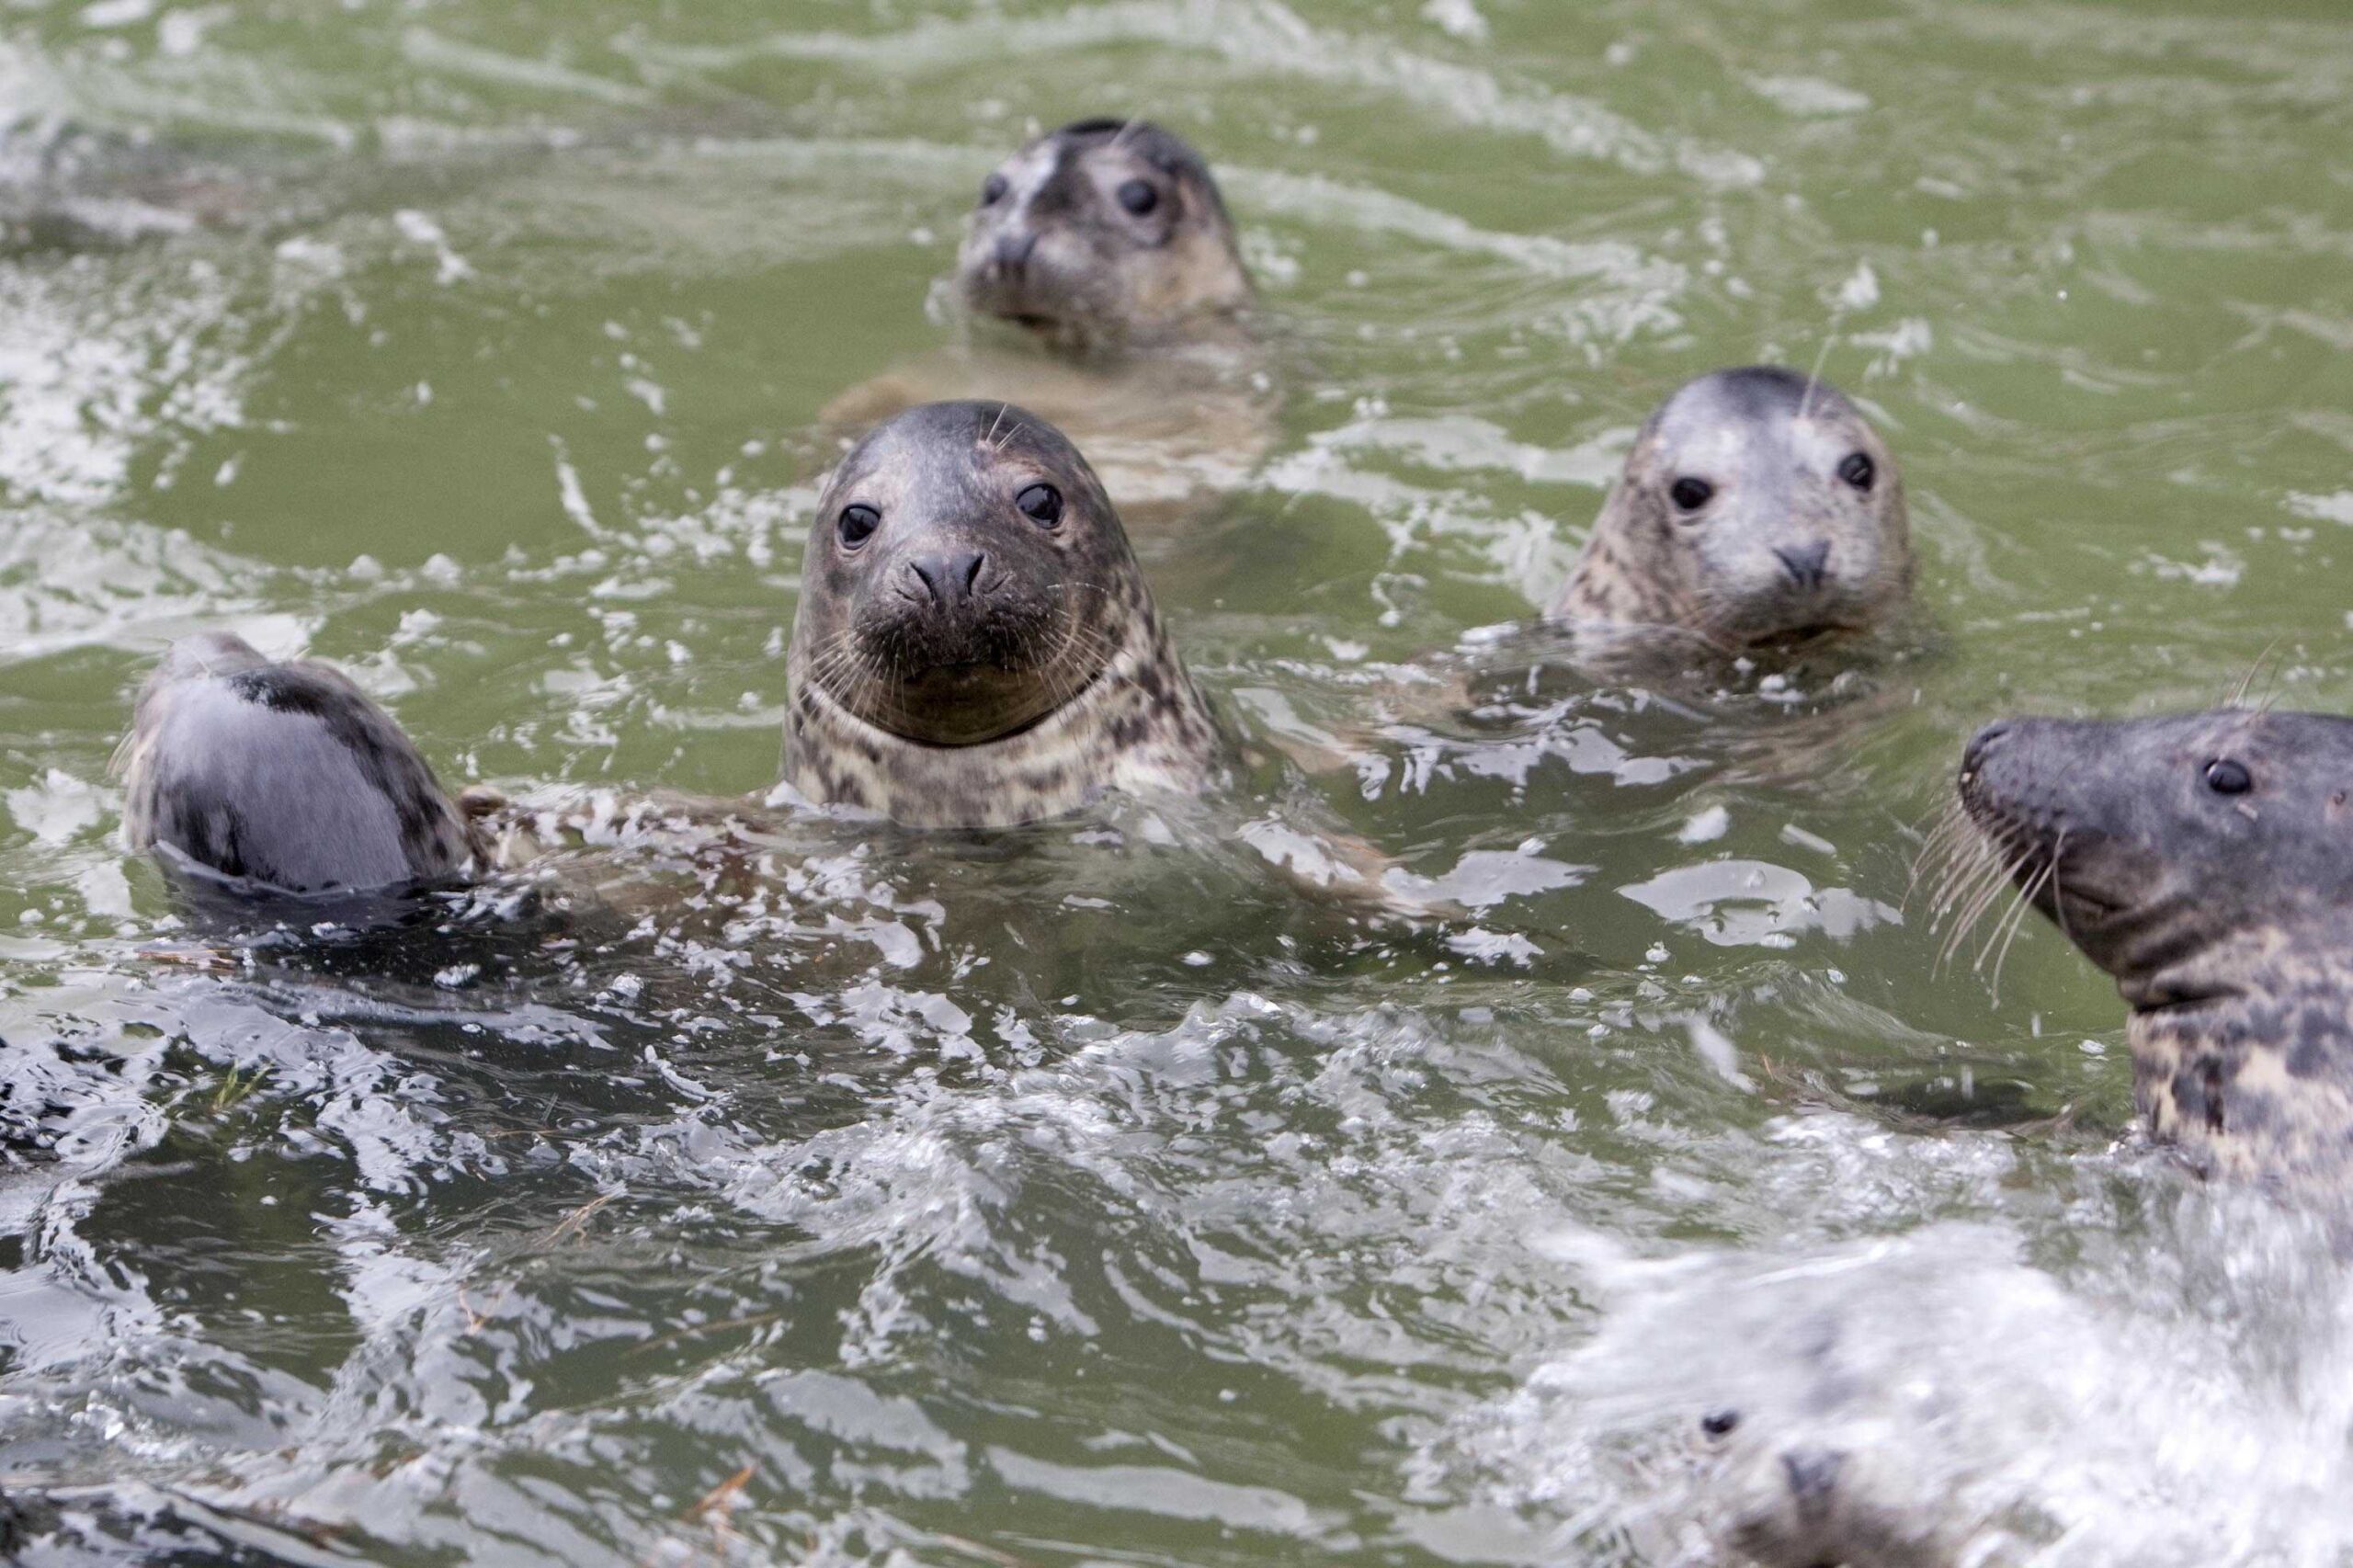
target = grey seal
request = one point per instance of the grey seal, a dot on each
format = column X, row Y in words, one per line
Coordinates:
column 2204, row 861
column 1106, row 255
column 1757, row 506
column 975, row 645
column 282, row 778
column 1106, row 231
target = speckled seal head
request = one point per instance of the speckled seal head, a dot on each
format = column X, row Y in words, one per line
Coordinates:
column 1757, row 507
column 2206, row 861
column 1104, row 232
column 975, row 646
column 281, row 779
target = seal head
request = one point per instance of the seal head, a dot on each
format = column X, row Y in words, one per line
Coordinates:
column 1104, row 232
column 2206, row 861
column 1758, row 507
column 281, row 779
column 975, row 645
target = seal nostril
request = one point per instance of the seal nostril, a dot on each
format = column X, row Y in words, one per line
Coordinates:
column 949, row 579
column 1972, row 757
column 1812, row 1472
column 1013, row 251
column 1806, row 564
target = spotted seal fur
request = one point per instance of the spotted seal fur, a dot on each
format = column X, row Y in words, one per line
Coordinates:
column 975, row 646
column 1106, row 231
column 1102, row 267
column 2206, row 861
column 282, row 778
column 1757, row 506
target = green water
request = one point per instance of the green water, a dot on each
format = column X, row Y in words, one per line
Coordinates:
column 1044, row 1199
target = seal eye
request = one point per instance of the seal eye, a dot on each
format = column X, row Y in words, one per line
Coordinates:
column 1041, row 504
column 1691, row 493
column 992, row 190
column 1859, row 471
column 857, row 525
column 1138, row 197
column 2227, row 777
column 1719, row 1423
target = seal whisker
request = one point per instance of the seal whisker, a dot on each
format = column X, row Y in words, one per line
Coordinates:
column 2238, row 698
column 1983, row 896
column 1937, row 846
column 2008, row 929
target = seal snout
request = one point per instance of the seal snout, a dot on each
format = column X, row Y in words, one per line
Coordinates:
column 1973, row 756
column 1807, row 565
column 949, row 579
column 1813, row 1475
column 1011, row 255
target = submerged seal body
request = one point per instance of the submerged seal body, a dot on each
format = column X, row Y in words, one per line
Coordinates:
column 1757, row 507
column 975, row 646
column 281, row 779
column 1104, row 232
column 2206, row 861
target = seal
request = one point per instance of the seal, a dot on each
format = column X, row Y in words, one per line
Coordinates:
column 1104, row 232
column 2205, row 861
column 1758, row 507
column 975, row 646
column 282, row 778
column 1106, row 246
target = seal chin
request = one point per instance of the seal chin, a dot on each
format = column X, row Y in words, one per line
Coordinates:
column 962, row 703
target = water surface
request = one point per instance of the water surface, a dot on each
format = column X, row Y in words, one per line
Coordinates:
column 1063, row 1196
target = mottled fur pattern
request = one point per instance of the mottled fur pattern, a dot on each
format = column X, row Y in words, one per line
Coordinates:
column 1052, row 684
column 1054, row 244
column 282, row 776
column 1785, row 547
column 2206, row 861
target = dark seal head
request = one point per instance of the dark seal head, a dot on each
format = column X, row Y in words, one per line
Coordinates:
column 1757, row 507
column 1105, row 232
column 2206, row 861
column 281, row 779
column 975, row 646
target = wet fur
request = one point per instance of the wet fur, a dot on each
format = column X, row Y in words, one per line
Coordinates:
column 1770, row 441
column 1057, row 253
column 2227, row 919
column 1084, row 645
column 283, row 776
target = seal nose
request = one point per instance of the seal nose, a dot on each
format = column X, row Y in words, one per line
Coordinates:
column 1013, row 251
column 1972, row 757
column 948, row 579
column 1813, row 1475
column 1807, row 564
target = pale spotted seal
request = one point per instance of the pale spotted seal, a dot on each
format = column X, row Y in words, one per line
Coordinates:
column 1105, row 250
column 1106, row 231
column 975, row 646
column 282, row 778
column 1758, row 507
column 2206, row 861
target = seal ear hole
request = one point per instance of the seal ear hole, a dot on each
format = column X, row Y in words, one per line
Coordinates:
column 1138, row 197
column 1720, row 1423
column 1042, row 504
column 856, row 524
column 1859, row 471
column 2227, row 777
column 1690, row 495
column 992, row 189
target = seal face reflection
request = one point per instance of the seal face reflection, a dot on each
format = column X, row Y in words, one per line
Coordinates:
column 2206, row 861
column 283, row 777
column 975, row 645
column 1104, row 230
column 1757, row 506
